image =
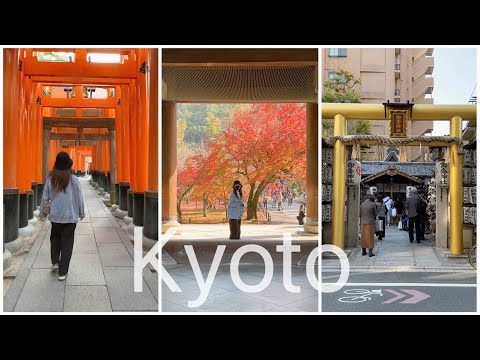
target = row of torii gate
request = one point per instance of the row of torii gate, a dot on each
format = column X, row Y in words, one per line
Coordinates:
column 399, row 115
column 49, row 107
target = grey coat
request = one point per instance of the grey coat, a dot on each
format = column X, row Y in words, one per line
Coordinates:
column 381, row 209
column 411, row 205
column 368, row 212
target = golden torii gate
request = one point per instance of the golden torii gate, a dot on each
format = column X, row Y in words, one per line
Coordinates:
column 454, row 113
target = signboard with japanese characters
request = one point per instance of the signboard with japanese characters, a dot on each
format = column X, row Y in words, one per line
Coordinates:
column 442, row 174
column 354, row 172
column 327, row 156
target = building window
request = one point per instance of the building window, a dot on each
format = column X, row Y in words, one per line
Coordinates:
column 331, row 74
column 337, row 52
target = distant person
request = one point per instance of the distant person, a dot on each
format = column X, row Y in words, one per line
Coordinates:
column 303, row 199
column 290, row 198
column 301, row 215
column 422, row 214
column 381, row 210
column 388, row 203
column 399, row 207
column 235, row 210
column 280, row 207
column 367, row 220
column 62, row 202
column 413, row 216
column 265, row 202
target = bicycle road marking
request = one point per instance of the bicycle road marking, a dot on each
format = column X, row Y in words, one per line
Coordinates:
column 411, row 284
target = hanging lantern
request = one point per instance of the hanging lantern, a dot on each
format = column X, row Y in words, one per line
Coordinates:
column 442, row 174
column 354, row 172
column 372, row 190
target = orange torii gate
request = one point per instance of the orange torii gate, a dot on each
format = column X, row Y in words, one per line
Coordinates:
column 29, row 105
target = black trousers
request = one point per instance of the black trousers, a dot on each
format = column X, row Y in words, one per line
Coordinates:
column 423, row 222
column 61, row 241
column 414, row 222
column 235, row 228
column 381, row 234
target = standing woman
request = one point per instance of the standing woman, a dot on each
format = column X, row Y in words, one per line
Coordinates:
column 367, row 220
column 64, row 194
column 235, row 210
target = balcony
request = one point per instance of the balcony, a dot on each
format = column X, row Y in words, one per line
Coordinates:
column 423, row 65
column 397, row 71
column 397, row 95
column 422, row 86
column 397, row 51
column 429, row 52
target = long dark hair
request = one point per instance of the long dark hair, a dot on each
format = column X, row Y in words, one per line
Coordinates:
column 60, row 179
column 240, row 191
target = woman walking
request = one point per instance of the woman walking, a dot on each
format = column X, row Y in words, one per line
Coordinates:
column 367, row 220
column 235, row 210
column 63, row 198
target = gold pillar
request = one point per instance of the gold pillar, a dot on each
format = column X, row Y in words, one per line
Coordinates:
column 456, row 190
column 339, row 183
column 169, row 165
column 311, row 220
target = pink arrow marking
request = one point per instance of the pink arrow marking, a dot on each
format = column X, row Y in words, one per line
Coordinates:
column 398, row 296
column 417, row 296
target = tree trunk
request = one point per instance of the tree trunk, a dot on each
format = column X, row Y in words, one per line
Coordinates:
column 253, row 200
column 204, row 205
column 251, row 207
column 179, row 210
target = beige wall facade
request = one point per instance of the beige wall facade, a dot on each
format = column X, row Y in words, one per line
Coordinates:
column 394, row 74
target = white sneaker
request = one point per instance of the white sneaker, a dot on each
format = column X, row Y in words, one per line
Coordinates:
column 54, row 267
column 61, row 278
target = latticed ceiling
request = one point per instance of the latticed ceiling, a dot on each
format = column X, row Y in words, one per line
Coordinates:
column 294, row 82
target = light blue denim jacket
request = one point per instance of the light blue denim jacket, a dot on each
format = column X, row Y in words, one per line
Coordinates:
column 66, row 206
column 235, row 208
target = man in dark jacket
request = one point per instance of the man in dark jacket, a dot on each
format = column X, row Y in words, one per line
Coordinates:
column 413, row 216
column 422, row 213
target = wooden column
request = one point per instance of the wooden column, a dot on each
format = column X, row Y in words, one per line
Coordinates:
column 113, row 158
column 169, row 165
column 45, row 154
column 311, row 220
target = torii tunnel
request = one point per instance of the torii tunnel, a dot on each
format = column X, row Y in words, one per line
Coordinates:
column 103, row 113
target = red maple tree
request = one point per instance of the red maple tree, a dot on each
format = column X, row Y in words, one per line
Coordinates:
column 263, row 144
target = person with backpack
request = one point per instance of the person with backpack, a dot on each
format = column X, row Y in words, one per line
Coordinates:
column 388, row 203
column 62, row 202
column 413, row 216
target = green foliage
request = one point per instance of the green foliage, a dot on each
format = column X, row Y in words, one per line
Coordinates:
column 343, row 87
column 51, row 56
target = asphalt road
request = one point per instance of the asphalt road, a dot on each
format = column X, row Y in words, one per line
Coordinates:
column 402, row 292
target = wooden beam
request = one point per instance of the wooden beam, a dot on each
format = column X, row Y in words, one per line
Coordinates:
column 80, row 67
column 78, row 102
column 78, row 137
column 87, row 81
column 77, row 143
column 65, row 122
column 237, row 56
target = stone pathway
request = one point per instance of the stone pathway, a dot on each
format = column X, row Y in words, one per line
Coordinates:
column 224, row 295
column 396, row 253
column 100, row 277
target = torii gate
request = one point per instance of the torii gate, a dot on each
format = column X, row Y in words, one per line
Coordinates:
column 389, row 112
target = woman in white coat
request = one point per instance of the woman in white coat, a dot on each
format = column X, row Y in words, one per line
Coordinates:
column 235, row 210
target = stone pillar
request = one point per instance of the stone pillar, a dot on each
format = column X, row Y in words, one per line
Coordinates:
column 35, row 195
column 150, row 222
column 11, row 208
column 353, row 212
column 339, row 183
column 169, row 166
column 129, row 217
column 441, row 217
column 40, row 194
column 456, row 190
column 122, row 202
column 311, row 219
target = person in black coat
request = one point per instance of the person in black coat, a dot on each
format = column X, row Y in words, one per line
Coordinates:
column 301, row 215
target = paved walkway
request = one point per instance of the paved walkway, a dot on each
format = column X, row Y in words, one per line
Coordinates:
column 224, row 296
column 396, row 253
column 101, row 270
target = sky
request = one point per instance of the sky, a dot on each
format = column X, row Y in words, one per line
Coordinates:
column 455, row 76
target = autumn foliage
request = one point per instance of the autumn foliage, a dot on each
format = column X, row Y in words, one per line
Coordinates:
column 263, row 144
